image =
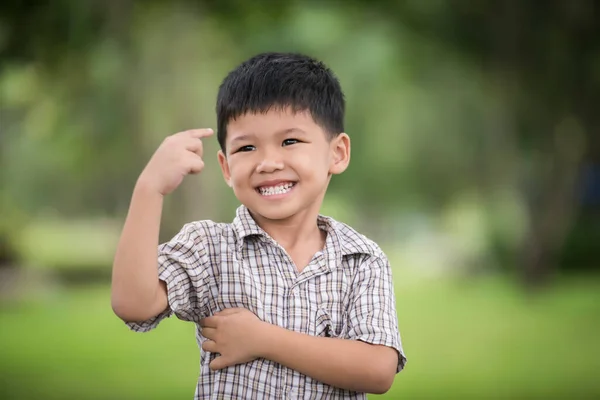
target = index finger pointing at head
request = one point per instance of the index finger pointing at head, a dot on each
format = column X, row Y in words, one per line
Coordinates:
column 200, row 133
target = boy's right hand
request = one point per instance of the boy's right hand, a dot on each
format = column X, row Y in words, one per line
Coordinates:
column 178, row 155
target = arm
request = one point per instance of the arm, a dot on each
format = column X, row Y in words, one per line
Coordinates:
column 239, row 336
column 366, row 360
column 370, row 356
column 343, row 363
column 137, row 293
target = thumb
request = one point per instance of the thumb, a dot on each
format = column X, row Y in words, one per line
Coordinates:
column 219, row 363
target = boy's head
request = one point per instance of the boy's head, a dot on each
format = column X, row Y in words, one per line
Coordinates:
column 281, row 130
column 276, row 81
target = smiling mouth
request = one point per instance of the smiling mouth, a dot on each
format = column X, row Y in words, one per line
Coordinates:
column 282, row 188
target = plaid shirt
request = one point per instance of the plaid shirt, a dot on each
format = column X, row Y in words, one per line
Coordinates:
column 346, row 291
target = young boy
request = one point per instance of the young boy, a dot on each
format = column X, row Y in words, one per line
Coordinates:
column 287, row 303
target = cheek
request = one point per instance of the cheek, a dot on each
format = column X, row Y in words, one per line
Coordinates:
column 239, row 173
column 316, row 162
column 234, row 169
column 310, row 159
column 315, row 168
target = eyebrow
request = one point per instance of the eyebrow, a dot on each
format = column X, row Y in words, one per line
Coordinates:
column 282, row 132
column 241, row 138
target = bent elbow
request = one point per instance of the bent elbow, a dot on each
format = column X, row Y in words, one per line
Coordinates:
column 126, row 312
column 383, row 369
column 384, row 373
column 383, row 383
column 121, row 310
column 140, row 307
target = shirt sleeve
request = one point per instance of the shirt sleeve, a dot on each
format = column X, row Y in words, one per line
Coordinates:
column 182, row 265
column 372, row 313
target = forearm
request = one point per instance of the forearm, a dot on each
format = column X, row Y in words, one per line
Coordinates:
column 346, row 364
column 136, row 289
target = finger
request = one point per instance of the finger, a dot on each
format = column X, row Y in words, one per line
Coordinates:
column 220, row 363
column 199, row 133
column 210, row 346
column 209, row 322
column 196, row 165
column 194, row 145
column 209, row 333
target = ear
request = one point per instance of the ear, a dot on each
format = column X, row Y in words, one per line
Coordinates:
column 340, row 154
column 224, row 167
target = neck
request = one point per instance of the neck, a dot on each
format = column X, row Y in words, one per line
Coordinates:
column 291, row 233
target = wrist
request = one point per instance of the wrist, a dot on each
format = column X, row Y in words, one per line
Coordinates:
column 145, row 187
column 266, row 339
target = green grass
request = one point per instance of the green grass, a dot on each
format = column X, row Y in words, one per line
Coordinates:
column 472, row 340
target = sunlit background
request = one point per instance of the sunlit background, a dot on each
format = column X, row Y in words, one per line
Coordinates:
column 475, row 164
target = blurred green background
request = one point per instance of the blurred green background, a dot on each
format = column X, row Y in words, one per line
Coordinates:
column 475, row 165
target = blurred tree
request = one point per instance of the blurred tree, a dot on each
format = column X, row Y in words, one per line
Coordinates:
column 547, row 60
column 543, row 61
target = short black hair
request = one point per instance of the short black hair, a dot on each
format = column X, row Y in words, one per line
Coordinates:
column 281, row 80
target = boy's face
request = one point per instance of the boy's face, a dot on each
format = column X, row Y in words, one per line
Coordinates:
column 279, row 163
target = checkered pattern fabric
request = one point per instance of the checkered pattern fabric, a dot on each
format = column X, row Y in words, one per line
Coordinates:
column 346, row 291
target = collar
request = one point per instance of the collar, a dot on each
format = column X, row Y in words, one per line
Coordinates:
column 341, row 240
column 244, row 225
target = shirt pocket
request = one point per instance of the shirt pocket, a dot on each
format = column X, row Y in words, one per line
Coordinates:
column 330, row 321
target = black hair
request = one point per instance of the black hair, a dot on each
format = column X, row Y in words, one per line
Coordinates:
column 281, row 80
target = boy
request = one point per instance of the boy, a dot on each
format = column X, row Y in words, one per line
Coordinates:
column 287, row 303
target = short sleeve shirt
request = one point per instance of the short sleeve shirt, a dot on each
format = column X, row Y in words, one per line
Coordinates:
column 346, row 291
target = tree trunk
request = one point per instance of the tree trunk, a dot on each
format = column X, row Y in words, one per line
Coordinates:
column 554, row 210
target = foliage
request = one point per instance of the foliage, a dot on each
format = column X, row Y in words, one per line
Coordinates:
column 494, row 102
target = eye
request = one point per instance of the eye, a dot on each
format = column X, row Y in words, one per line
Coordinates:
column 288, row 142
column 245, row 148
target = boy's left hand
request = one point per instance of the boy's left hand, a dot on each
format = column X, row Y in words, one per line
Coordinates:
column 235, row 334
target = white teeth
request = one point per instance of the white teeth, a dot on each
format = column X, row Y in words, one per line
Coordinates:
column 279, row 189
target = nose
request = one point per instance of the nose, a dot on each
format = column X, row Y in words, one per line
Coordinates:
column 270, row 162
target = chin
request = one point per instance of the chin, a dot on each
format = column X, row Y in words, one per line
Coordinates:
column 273, row 211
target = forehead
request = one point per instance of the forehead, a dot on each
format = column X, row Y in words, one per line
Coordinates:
column 271, row 123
